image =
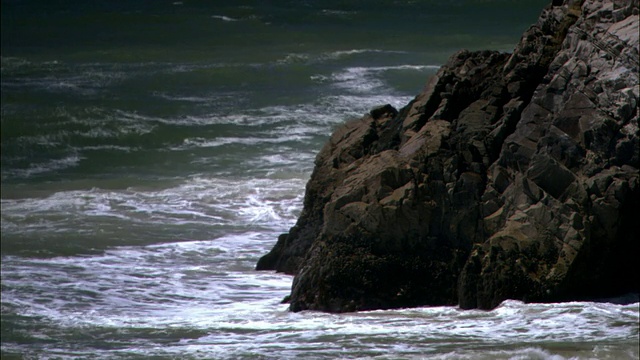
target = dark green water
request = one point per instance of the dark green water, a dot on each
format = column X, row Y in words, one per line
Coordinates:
column 152, row 151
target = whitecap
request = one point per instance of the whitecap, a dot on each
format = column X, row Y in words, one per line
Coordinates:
column 356, row 105
column 86, row 79
column 223, row 18
column 339, row 13
column 95, row 123
column 170, row 68
column 39, row 168
column 315, row 118
column 186, row 98
column 130, row 286
column 208, row 287
column 200, row 202
column 358, row 80
column 342, row 53
column 517, row 353
column 198, row 142
column 367, row 79
column 320, row 78
column 312, row 58
column 11, row 62
column 110, row 147
column 294, row 58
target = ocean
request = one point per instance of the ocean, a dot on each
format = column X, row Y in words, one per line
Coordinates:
column 153, row 150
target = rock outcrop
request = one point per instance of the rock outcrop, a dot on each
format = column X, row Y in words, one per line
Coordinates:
column 511, row 176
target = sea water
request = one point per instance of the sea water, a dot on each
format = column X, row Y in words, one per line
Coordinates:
column 152, row 151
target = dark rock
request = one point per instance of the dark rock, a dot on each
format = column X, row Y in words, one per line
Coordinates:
column 384, row 110
column 511, row 176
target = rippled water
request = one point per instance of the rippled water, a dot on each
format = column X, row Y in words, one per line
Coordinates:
column 153, row 151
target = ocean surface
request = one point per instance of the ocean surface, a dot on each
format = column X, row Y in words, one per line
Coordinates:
column 152, row 151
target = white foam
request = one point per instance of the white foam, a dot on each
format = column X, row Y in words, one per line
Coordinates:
column 209, row 286
column 171, row 68
column 309, row 58
column 47, row 166
column 339, row 13
column 316, row 118
column 110, row 147
column 267, row 203
column 356, row 105
column 523, row 353
column 86, row 79
column 10, row 62
column 279, row 160
column 191, row 99
column 168, row 285
column 366, row 79
column 294, row 58
column 223, row 18
column 198, row 142
column 341, row 53
column 359, row 80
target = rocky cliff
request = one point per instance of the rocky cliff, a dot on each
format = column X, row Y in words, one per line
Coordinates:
column 511, row 176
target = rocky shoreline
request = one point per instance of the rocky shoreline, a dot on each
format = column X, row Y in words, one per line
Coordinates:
column 510, row 176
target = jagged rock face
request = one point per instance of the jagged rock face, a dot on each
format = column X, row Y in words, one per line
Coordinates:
column 561, row 199
column 509, row 176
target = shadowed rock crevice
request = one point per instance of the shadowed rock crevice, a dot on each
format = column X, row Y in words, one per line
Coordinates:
column 510, row 176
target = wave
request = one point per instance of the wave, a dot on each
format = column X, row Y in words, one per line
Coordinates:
column 59, row 77
column 356, row 105
column 199, row 201
column 8, row 62
column 195, row 273
column 312, row 58
column 197, row 142
column 317, row 117
column 223, row 18
column 38, row 168
column 203, row 297
column 341, row 53
column 75, row 134
column 171, row 68
column 110, row 148
column 92, row 78
column 63, row 127
column 368, row 79
column 338, row 13
column 522, row 353
column 210, row 98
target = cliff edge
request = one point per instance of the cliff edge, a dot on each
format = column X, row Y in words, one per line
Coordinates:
column 510, row 176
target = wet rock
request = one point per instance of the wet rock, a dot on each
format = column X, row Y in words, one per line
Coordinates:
column 511, row 176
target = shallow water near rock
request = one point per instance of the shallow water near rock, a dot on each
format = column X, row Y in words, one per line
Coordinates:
column 152, row 152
